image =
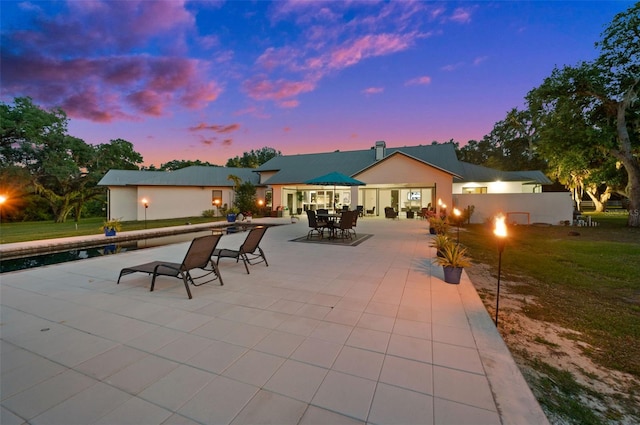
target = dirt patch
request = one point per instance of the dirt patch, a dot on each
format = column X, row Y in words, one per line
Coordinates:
column 609, row 394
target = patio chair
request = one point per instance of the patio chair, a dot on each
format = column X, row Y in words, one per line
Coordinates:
column 389, row 212
column 249, row 250
column 360, row 209
column 198, row 256
column 354, row 221
column 372, row 211
column 315, row 225
column 344, row 229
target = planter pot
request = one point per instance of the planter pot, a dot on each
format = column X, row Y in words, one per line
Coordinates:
column 299, row 211
column 231, row 218
column 109, row 232
column 452, row 274
column 410, row 214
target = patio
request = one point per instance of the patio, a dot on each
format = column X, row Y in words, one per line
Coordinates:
column 325, row 334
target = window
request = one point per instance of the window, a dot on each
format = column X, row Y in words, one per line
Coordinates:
column 474, row 189
column 216, row 198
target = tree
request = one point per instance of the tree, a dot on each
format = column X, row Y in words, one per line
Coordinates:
column 62, row 169
column 253, row 159
column 178, row 164
column 509, row 147
column 591, row 112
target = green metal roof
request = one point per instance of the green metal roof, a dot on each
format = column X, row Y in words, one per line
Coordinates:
column 188, row 176
column 294, row 169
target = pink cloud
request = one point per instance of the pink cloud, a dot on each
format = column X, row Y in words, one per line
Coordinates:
column 425, row 79
column 81, row 59
column 368, row 46
column 281, row 91
column 452, row 67
column 215, row 127
column 373, row 90
column 461, row 15
column 227, row 142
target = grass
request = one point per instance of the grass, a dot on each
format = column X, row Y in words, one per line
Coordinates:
column 589, row 283
column 26, row 231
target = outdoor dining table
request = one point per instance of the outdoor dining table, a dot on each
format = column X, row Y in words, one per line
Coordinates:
column 332, row 222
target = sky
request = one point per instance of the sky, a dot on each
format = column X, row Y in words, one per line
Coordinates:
column 210, row 80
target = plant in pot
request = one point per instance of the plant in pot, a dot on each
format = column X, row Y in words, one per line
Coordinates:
column 439, row 242
column 110, row 227
column 300, row 199
column 453, row 260
column 232, row 214
column 438, row 225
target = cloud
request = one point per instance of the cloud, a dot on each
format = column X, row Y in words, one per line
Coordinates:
column 477, row 61
column 373, row 90
column 227, row 142
column 418, row 81
column 280, row 91
column 216, row 127
column 461, row 15
column 452, row 67
column 81, row 60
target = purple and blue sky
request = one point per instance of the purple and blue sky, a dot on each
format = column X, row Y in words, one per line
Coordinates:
column 211, row 80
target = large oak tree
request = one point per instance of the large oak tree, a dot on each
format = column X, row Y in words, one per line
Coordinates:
column 585, row 115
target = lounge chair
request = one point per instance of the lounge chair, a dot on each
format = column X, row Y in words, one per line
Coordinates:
column 198, row 256
column 249, row 250
column 372, row 211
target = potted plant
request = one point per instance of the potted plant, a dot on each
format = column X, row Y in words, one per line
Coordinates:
column 300, row 197
column 438, row 225
column 110, row 227
column 439, row 242
column 232, row 213
column 453, row 260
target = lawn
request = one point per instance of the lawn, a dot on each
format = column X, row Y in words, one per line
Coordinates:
column 20, row 232
column 587, row 282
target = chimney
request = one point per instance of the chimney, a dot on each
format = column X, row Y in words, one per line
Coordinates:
column 380, row 149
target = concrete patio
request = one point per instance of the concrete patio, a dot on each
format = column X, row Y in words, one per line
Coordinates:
column 324, row 335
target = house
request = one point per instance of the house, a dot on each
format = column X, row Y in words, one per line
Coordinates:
column 410, row 178
column 405, row 178
column 186, row 192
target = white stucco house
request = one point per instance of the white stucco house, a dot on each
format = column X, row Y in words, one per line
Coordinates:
column 169, row 194
column 405, row 178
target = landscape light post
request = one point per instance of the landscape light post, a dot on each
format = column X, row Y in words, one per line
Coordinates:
column 501, row 232
column 456, row 212
column 3, row 199
column 146, row 205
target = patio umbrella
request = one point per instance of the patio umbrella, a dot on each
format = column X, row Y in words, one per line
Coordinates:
column 334, row 179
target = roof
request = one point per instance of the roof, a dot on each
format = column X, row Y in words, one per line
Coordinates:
column 479, row 173
column 299, row 168
column 188, row 176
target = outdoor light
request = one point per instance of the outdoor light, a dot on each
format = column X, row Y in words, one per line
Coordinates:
column 146, row 205
column 3, row 199
column 457, row 213
column 260, row 202
column 501, row 232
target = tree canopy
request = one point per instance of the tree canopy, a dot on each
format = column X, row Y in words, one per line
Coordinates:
column 587, row 117
column 253, row 159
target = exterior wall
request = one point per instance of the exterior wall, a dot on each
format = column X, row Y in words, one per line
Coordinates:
column 496, row 187
column 547, row 207
column 123, row 203
column 164, row 201
column 400, row 170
